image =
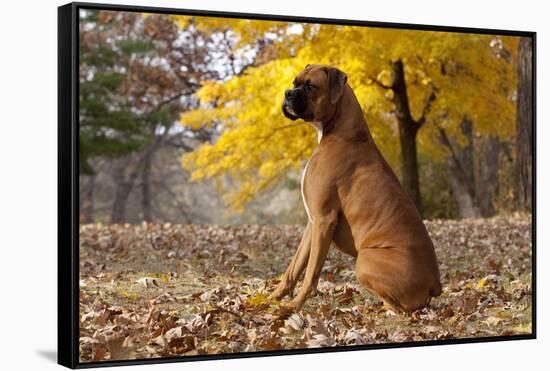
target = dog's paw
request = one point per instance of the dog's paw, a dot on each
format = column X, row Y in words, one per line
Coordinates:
column 288, row 306
column 293, row 305
column 275, row 295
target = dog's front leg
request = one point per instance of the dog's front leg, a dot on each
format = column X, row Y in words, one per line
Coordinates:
column 321, row 237
column 296, row 266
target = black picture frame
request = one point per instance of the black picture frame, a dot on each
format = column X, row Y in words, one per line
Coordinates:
column 68, row 187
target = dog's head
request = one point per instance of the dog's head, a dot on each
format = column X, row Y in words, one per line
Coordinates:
column 316, row 93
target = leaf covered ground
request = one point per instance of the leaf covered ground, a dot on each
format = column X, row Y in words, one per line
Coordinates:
column 161, row 290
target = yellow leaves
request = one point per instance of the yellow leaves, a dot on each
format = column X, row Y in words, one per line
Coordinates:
column 385, row 77
column 525, row 328
column 389, row 94
column 255, row 149
column 498, row 315
column 260, row 298
column 196, row 119
column 246, row 30
column 128, row 295
column 182, row 20
column 453, row 320
column 256, row 153
column 267, row 169
column 210, row 91
column 197, row 174
column 481, row 283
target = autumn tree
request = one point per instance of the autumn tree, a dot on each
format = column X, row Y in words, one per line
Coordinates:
column 411, row 84
column 474, row 156
column 137, row 72
column 108, row 126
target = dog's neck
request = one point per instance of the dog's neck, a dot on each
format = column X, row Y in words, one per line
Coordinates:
column 326, row 126
column 348, row 123
column 319, row 134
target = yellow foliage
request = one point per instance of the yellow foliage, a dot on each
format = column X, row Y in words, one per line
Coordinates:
column 260, row 298
column 259, row 145
column 481, row 283
column 523, row 328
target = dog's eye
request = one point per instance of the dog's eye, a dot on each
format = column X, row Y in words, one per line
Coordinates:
column 310, row 87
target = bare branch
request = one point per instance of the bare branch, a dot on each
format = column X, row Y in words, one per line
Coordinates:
column 166, row 101
column 427, row 108
column 379, row 83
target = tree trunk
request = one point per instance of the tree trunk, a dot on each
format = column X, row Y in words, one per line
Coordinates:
column 524, row 124
column 467, row 207
column 123, row 189
column 462, row 189
column 124, row 184
column 465, row 154
column 408, row 129
column 488, row 176
column 146, row 203
column 87, row 203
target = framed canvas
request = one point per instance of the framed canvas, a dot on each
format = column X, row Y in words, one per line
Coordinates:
column 241, row 185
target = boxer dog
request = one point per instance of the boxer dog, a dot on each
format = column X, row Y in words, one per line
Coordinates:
column 353, row 198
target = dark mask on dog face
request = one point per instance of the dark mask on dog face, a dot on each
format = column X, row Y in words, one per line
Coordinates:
column 317, row 90
column 296, row 103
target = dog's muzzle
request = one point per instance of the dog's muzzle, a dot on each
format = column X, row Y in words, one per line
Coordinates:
column 295, row 103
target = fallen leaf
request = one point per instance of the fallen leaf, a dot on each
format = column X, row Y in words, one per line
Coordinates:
column 148, row 281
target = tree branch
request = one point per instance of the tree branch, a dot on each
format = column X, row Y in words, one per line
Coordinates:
column 426, row 109
column 175, row 142
column 275, row 130
column 165, row 102
column 444, row 139
column 379, row 83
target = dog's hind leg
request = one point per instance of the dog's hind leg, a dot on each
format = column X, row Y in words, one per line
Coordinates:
column 296, row 266
column 384, row 272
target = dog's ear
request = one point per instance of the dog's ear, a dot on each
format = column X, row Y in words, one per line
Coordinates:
column 336, row 82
